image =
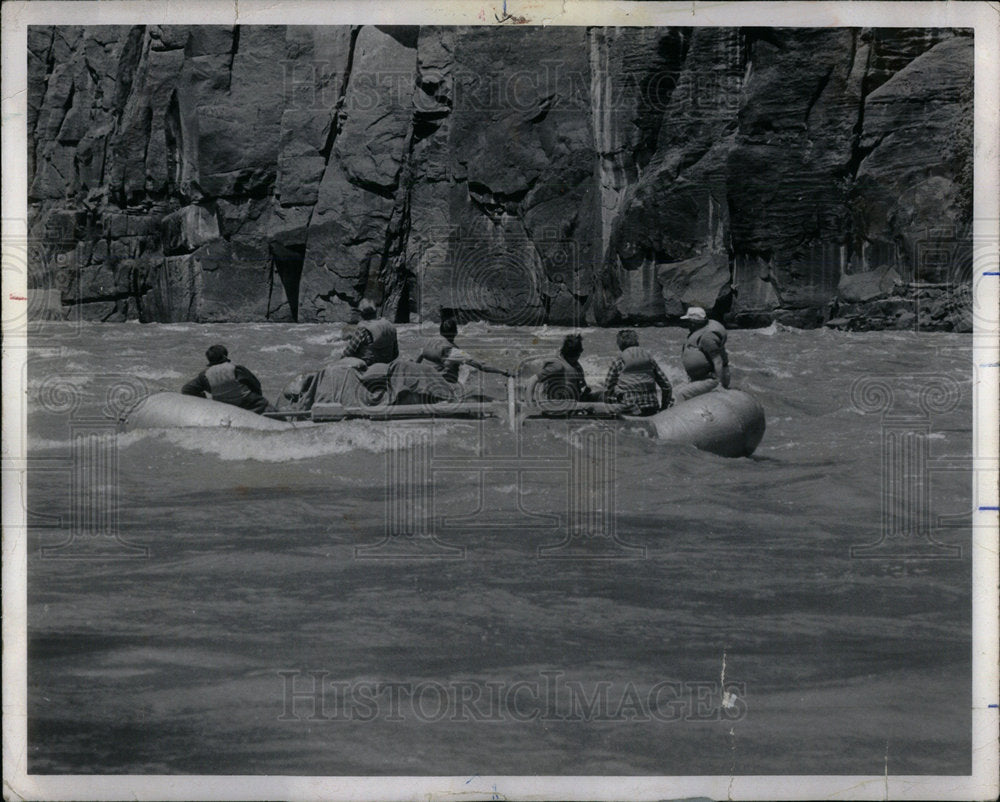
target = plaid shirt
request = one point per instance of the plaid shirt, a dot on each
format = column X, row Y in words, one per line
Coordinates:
column 359, row 340
column 635, row 400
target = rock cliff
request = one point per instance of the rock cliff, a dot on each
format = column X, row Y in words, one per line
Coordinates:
column 517, row 174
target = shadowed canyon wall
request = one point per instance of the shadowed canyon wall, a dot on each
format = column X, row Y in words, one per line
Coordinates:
column 516, row 174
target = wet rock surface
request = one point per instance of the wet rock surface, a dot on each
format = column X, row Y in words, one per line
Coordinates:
column 520, row 175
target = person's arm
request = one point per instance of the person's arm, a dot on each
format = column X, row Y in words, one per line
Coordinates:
column 720, row 361
column 359, row 340
column 714, row 348
column 543, row 378
column 721, row 368
column 660, row 377
column 456, row 354
column 198, row 386
column 248, row 380
column 666, row 391
column 487, row 368
column 611, row 382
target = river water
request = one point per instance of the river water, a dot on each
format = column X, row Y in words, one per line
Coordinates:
column 360, row 598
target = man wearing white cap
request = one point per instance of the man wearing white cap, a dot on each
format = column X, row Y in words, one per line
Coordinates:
column 704, row 355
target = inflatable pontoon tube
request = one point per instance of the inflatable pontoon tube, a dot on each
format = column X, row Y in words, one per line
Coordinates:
column 173, row 410
column 729, row 423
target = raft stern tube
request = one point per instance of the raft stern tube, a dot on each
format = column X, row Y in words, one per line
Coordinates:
column 729, row 423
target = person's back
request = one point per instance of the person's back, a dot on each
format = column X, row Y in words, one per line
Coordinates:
column 701, row 348
column 228, row 383
column 635, row 380
column 374, row 340
column 703, row 355
column 561, row 377
column 225, row 387
column 436, row 351
column 383, row 346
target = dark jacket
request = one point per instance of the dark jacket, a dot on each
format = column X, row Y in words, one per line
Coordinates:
column 230, row 384
column 563, row 380
column 701, row 347
column 436, row 352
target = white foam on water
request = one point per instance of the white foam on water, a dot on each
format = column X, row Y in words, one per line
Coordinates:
column 66, row 352
column 303, row 443
column 239, row 445
column 267, row 349
column 180, row 327
column 555, row 333
column 774, row 328
column 121, row 439
column 153, row 373
column 780, row 446
column 55, row 381
column 84, row 369
column 777, row 373
column 327, row 336
column 45, row 444
column 36, row 381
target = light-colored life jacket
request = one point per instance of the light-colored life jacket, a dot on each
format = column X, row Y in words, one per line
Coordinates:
column 638, row 375
column 224, row 385
column 383, row 347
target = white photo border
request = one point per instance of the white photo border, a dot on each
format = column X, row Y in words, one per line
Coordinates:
column 983, row 17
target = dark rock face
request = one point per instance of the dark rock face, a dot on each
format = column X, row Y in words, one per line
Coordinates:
column 521, row 175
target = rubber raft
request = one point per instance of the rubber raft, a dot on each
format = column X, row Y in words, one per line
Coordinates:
column 729, row 423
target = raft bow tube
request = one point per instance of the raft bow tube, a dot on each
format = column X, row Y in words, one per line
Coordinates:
column 729, row 423
column 173, row 410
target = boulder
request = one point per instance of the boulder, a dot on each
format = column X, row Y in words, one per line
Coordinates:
column 699, row 281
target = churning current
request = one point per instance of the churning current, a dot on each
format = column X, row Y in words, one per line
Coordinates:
column 366, row 598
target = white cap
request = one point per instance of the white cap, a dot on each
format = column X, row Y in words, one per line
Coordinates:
column 695, row 313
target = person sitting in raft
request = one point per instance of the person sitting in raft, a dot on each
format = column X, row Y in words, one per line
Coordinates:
column 374, row 340
column 231, row 384
column 561, row 377
column 635, row 380
column 703, row 354
column 447, row 358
